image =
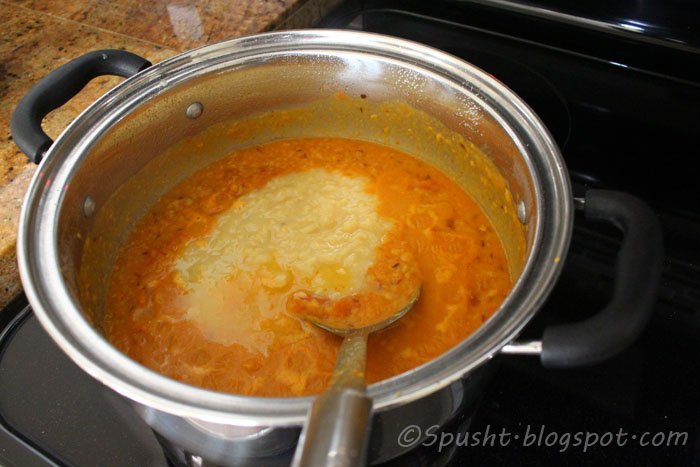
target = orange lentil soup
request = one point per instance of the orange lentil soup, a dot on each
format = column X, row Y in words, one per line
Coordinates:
column 208, row 286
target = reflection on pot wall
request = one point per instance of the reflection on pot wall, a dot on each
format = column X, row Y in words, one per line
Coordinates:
column 241, row 445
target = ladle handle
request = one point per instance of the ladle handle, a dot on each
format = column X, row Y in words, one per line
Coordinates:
column 337, row 428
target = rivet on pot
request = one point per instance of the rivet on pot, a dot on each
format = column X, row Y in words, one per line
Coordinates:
column 194, row 110
column 522, row 212
column 88, row 206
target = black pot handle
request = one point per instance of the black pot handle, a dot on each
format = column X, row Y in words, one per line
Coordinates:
column 58, row 88
column 637, row 278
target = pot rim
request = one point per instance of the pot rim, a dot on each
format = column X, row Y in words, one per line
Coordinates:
column 60, row 315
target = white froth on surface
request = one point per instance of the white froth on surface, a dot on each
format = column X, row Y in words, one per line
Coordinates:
column 316, row 230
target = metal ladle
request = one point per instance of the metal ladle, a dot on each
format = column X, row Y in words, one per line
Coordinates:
column 335, row 432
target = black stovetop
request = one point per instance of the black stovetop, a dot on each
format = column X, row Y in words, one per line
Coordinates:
column 620, row 92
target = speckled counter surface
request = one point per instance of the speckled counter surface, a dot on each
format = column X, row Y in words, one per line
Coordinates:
column 38, row 36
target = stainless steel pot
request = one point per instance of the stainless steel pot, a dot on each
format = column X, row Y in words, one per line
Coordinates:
column 109, row 165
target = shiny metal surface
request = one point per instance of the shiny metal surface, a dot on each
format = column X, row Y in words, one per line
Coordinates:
column 194, row 110
column 625, row 25
column 231, row 444
column 523, row 348
column 344, row 442
column 522, row 213
column 97, row 154
column 88, row 206
column 337, row 428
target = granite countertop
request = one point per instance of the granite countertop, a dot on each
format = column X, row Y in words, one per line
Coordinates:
column 40, row 35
